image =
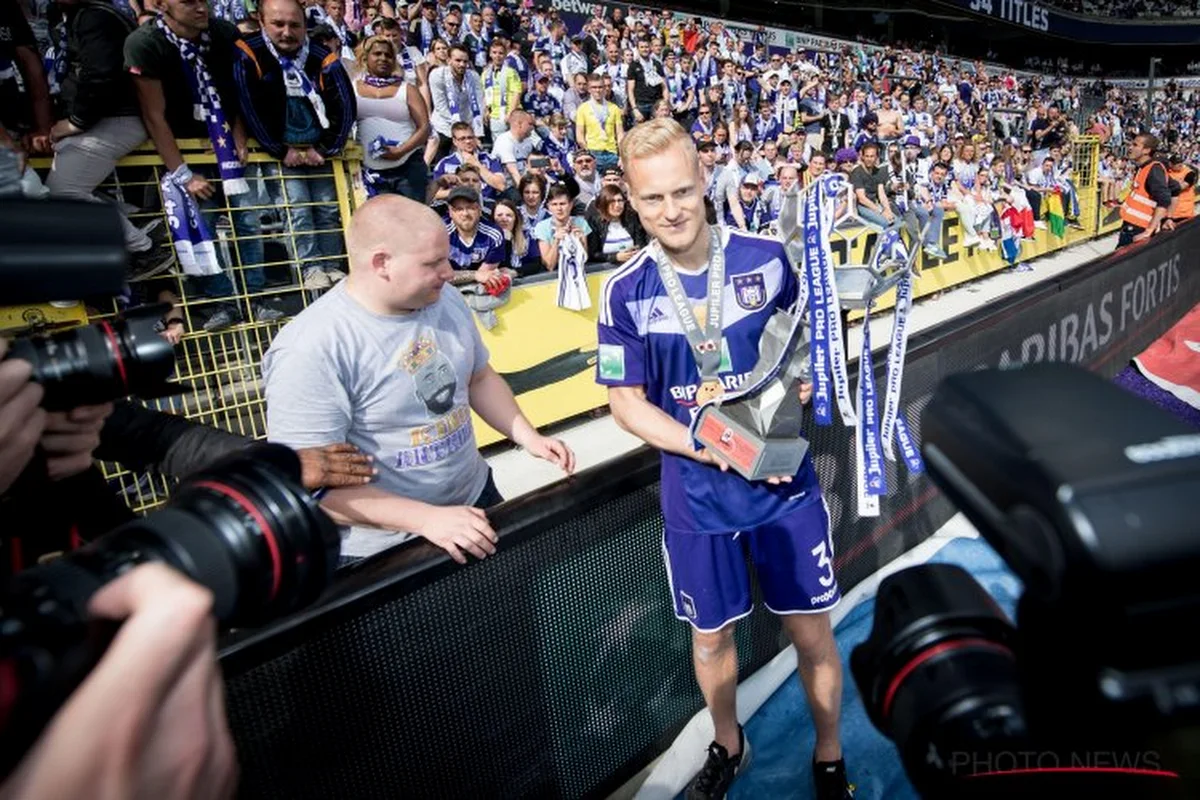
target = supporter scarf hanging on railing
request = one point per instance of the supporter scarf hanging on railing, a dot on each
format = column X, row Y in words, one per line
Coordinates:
column 297, row 82
column 193, row 243
column 572, row 281
column 828, row 354
column 207, row 108
column 894, row 422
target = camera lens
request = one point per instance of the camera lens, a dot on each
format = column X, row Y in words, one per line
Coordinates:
column 98, row 363
column 244, row 528
column 938, row 674
column 247, row 530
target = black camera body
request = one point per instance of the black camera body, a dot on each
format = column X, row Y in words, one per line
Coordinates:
column 41, row 260
column 1088, row 493
column 244, row 528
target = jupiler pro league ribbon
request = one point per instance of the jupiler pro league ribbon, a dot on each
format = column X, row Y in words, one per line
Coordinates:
column 828, row 354
column 870, row 474
column 894, row 422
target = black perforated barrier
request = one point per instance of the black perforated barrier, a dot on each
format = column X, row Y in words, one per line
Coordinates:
column 556, row 668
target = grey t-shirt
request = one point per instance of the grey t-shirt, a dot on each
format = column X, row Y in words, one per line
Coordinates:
column 393, row 386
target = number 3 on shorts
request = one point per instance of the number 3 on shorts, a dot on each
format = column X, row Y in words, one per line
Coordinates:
column 824, row 562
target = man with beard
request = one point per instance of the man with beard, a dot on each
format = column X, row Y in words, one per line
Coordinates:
column 661, row 353
column 390, row 360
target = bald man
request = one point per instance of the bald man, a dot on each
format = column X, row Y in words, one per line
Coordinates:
column 390, row 360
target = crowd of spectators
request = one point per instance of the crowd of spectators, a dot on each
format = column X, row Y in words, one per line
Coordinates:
column 1130, row 9
column 508, row 125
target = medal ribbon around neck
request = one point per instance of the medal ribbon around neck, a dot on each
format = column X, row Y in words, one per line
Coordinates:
column 705, row 342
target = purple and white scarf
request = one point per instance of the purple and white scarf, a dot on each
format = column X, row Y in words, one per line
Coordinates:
column 207, row 108
column 194, row 246
column 296, row 80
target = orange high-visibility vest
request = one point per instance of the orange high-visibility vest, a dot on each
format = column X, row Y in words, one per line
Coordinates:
column 1138, row 208
column 1183, row 206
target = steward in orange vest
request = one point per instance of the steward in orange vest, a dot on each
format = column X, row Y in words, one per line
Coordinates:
column 1183, row 206
column 1146, row 206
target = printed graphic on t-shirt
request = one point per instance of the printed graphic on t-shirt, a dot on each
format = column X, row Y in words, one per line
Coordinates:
column 435, row 384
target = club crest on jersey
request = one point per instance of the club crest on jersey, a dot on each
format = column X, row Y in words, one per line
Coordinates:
column 750, row 290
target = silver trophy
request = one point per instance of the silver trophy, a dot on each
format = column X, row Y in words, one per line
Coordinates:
column 860, row 285
column 757, row 429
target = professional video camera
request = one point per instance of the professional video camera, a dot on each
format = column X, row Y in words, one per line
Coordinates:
column 1088, row 493
column 64, row 250
column 244, row 528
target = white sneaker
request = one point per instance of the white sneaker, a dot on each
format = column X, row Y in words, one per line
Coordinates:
column 335, row 275
column 316, row 279
column 971, row 241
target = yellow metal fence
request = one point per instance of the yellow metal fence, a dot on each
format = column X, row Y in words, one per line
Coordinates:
column 290, row 221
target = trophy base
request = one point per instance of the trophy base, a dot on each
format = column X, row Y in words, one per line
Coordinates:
column 754, row 457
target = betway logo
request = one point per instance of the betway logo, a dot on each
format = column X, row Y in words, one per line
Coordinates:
column 578, row 7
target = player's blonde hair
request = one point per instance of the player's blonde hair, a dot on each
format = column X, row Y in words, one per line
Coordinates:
column 653, row 137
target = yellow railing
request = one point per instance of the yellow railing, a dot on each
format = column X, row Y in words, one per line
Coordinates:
column 222, row 367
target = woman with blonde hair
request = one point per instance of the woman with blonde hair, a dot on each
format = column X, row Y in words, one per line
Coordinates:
column 393, row 124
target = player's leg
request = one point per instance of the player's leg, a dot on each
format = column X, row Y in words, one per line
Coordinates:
column 820, row 669
column 710, row 588
column 793, row 557
column 714, row 655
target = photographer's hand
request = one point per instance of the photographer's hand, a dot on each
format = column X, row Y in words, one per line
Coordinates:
column 334, row 465
column 21, row 418
column 70, row 438
column 149, row 721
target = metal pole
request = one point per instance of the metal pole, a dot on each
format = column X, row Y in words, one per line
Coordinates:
column 1150, row 96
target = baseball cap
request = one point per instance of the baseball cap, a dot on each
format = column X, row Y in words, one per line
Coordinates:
column 752, row 178
column 912, row 141
column 462, row 193
column 706, row 144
